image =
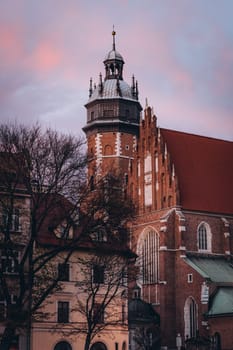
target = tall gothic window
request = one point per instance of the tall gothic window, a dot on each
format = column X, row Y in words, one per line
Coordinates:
column 190, row 317
column 204, row 237
column 149, row 256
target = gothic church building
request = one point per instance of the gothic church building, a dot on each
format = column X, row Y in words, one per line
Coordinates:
column 182, row 187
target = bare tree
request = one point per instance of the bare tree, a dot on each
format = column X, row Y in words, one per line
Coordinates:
column 37, row 169
column 48, row 210
column 101, row 299
column 147, row 338
column 102, row 262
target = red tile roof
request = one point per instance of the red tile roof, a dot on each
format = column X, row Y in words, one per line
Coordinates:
column 204, row 167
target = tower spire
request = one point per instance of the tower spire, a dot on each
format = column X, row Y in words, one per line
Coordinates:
column 113, row 39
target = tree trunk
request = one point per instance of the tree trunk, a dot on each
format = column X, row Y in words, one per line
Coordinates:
column 7, row 338
column 87, row 342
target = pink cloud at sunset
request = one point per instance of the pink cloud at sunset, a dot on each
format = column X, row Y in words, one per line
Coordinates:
column 10, row 44
column 45, row 58
column 182, row 57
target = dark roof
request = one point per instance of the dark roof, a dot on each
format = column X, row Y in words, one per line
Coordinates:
column 222, row 302
column 54, row 209
column 204, row 167
column 218, row 270
column 141, row 312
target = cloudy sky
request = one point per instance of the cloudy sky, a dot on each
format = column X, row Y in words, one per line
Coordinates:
column 180, row 51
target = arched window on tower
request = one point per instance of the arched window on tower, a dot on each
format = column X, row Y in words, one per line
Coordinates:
column 190, row 318
column 148, row 252
column 108, row 150
column 204, row 237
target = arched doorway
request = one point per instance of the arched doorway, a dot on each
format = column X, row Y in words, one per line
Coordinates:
column 63, row 345
column 217, row 341
column 99, row 346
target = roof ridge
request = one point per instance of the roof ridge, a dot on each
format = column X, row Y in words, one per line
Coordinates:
column 196, row 135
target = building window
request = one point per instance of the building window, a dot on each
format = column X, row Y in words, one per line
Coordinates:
column 190, row 317
column 9, row 262
column 14, row 224
column 2, row 308
column 204, row 237
column 98, row 274
column 149, row 257
column 137, row 293
column 64, row 230
column 92, row 184
column 126, row 179
column 123, row 312
column 98, row 346
column 217, row 341
column 98, row 314
column 99, row 236
column 63, row 312
column 63, row 272
column 63, row 345
column 108, row 113
column 190, row 278
column 108, row 150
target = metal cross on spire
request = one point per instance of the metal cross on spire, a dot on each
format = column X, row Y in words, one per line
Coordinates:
column 113, row 38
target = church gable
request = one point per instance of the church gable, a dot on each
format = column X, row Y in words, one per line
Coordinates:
column 154, row 174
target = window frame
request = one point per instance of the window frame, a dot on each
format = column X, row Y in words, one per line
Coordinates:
column 191, row 317
column 63, row 272
column 15, row 220
column 190, row 278
column 62, row 344
column 98, row 274
column 204, row 238
column 148, row 252
column 63, row 308
column 10, row 262
column 98, row 313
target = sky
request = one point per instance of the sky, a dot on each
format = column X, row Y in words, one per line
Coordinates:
column 180, row 51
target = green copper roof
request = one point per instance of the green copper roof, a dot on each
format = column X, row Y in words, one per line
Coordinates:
column 222, row 303
column 218, row 270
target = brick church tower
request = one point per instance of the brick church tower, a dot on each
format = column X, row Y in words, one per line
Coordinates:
column 182, row 233
column 113, row 116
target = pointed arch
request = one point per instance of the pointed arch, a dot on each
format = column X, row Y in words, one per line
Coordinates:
column 217, row 341
column 190, row 318
column 204, row 237
column 148, row 253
